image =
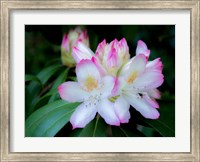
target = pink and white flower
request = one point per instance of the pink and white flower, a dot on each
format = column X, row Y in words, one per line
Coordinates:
column 94, row 91
column 70, row 40
column 81, row 52
column 136, row 86
column 109, row 58
column 110, row 75
column 113, row 56
column 142, row 49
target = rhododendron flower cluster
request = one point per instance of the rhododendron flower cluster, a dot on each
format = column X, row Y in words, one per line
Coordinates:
column 109, row 81
column 70, row 40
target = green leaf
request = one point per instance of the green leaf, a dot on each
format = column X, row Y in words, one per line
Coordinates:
column 46, row 73
column 29, row 77
column 48, row 120
column 96, row 128
column 44, row 99
column 34, row 88
column 165, row 125
column 147, row 131
column 123, row 131
column 54, row 61
column 54, row 97
column 61, row 78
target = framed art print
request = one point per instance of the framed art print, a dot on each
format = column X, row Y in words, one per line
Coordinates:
column 99, row 81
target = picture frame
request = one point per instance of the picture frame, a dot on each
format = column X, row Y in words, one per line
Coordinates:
column 5, row 91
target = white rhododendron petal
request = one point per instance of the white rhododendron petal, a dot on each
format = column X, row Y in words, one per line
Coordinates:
column 82, row 116
column 100, row 50
column 151, row 101
column 149, row 80
column 87, row 74
column 101, row 69
column 113, row 58
column 143, row 107
column 123, row 48
column 126, row 117
column 65, row 42
column 126, row 67
column 142, row 49
column 155, row 65
column 122, row 109
column 138, row 64
column 136, row 68
column 107, row 112
column 107, row 86
column 155, row 93
column 120, row 84
column 84, row 38
column 72, row 92
column 116, row 88
column 81, row 51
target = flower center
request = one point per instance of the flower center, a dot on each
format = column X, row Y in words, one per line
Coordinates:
column 92, row 100
column 132, row 77
column 91, row 83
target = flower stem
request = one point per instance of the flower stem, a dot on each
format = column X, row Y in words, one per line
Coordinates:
column 95, row 127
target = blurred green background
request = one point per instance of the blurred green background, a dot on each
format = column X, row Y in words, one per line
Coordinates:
column 42, row 48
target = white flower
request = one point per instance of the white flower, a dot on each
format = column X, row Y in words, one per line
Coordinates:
column 136, row 86
column 113, row 56
column 94, row 91
column 109, row 58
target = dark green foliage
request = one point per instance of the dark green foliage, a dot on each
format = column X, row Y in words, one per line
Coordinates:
column 48, row 120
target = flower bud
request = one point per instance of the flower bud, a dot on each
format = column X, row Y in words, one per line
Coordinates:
column 113, row 55
column 69, row 40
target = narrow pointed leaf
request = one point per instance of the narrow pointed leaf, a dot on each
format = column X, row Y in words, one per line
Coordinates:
column 34, row 88
column 46, row 73
column 48, row 120
column 147, row 131
column 61, row 78
column 123, row 131
column 29, row 77
column 44, row 99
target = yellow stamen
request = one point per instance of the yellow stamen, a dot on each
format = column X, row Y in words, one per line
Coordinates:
column 132, row 77
column 91, row 83
column 113, row 99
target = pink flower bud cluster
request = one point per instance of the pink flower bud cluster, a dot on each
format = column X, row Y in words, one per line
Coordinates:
column 69, row 40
